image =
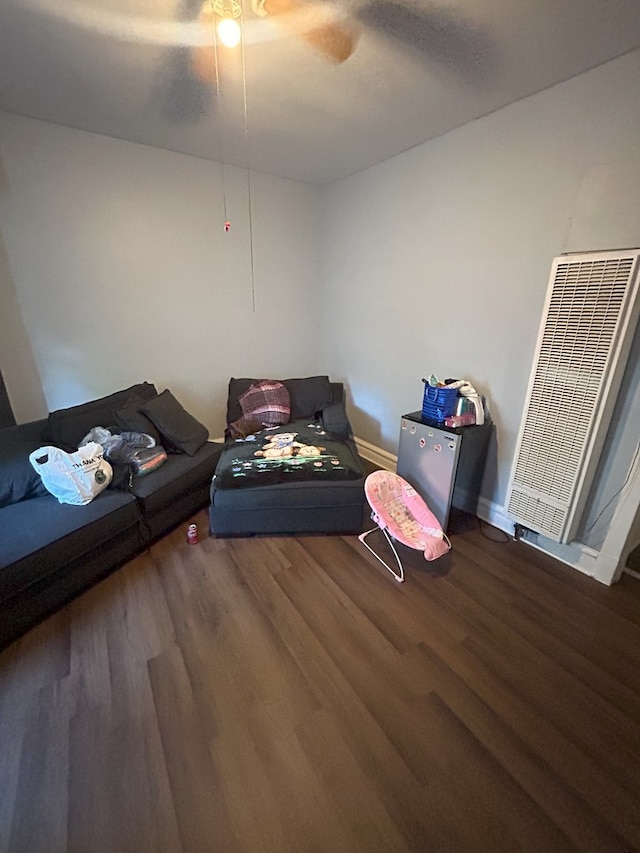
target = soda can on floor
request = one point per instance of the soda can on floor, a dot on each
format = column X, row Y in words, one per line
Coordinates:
column 192, row 534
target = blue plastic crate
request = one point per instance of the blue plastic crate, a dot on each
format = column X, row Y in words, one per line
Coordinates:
column 439, row 403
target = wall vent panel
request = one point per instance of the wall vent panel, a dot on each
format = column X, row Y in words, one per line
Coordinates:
column 588, row 322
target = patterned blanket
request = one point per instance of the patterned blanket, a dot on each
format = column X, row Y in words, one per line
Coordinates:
column 301, row 451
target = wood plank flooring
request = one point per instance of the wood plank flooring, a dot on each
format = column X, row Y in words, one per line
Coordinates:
column 286, row 695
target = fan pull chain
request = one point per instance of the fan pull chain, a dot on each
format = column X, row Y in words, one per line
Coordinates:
column 246, row 141
column 227, row 223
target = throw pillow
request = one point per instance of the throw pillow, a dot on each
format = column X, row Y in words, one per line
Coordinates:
column 131, row 419
column 237, row 388
column 178, row 429
column 334, row 420
column 266, row 402
column 67, row 427
column 19, row 480
column 308, row 396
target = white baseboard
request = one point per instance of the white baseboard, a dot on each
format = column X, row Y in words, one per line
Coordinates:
column 495, row 515
column 376, row 455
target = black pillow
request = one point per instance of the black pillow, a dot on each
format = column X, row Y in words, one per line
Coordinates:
column 131, row 419
column 19, row 480
column 179, row 430
column 67, row 427
column 307, row 396
column 237, row 387
column 334, row 420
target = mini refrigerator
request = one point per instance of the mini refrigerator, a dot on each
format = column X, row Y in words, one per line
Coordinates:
column 443, row 464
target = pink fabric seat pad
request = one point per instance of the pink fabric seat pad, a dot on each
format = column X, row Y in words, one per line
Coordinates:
column 402, row 511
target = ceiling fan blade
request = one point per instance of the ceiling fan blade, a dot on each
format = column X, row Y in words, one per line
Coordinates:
column 186, row 96
column 202, row 58
column 435, row 33
column 335, row 39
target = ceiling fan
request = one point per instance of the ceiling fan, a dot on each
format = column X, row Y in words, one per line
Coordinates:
column 331, row 35
column 443, row 38
column 437, row 35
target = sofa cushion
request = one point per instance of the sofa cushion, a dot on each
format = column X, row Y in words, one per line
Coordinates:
column 18, row 479
column 40, row 539
column 177, row 476
column 67, row 427
column 131, row 419
column 266, row 402
column 307, row 396
column 179, row 429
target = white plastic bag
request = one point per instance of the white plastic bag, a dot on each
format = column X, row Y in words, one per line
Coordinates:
column 73, row 478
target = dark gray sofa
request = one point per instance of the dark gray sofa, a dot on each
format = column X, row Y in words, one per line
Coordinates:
column 298, row 506
column 50, row 552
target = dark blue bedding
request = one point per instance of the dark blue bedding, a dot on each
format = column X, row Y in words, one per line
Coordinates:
column 301, row 451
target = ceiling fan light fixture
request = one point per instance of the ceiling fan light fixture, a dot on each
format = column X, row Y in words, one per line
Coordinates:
column 227, row 13
column 229, row 32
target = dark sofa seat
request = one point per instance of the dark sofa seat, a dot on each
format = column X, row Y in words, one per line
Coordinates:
column 323, row 506
column 28, row 546
column 288, row 508
column 50, row 552
column 88, row 542
column 178, row 476
column 173, row 491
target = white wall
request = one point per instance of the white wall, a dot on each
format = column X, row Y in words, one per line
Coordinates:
column 117, row 257
column 17, row 363
column 438, row 259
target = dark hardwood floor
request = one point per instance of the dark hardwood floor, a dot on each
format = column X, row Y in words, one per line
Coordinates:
column 285, row 695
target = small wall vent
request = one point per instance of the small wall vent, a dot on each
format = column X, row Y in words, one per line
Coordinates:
column 586, row 330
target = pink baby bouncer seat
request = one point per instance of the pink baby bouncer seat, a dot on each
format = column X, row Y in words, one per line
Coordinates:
column 402, row 515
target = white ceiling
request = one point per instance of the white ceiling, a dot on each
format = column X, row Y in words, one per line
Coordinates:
column 421, row 68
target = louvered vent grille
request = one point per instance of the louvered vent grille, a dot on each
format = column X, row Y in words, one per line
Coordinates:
column 588, row 302
column 541, row 516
